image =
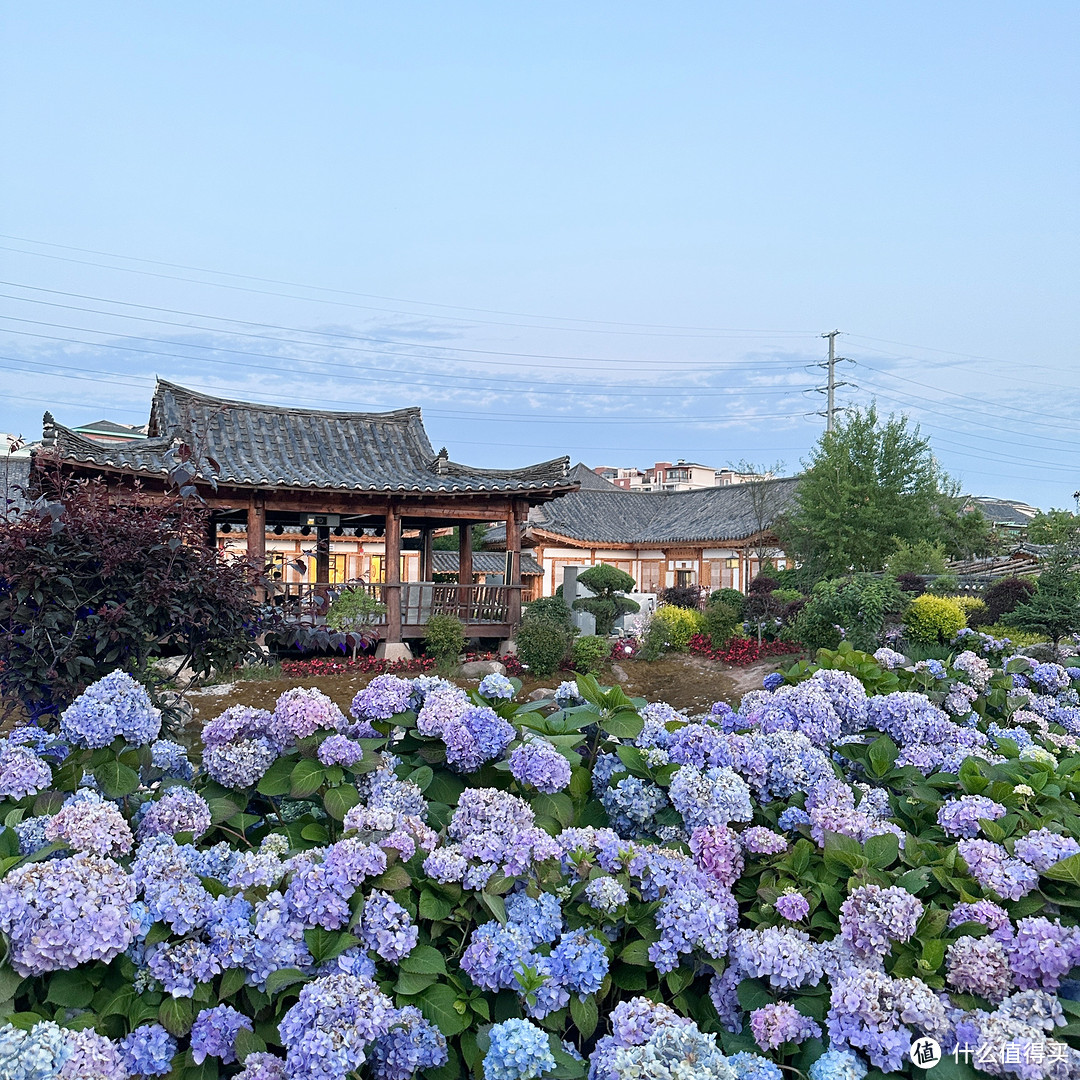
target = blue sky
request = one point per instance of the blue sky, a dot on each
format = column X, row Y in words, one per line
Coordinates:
column 614, row 230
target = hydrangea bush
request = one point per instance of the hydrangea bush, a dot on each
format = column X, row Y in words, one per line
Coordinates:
column 444, row 883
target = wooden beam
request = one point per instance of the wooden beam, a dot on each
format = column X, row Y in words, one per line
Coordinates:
column 427, row 556
column 392, row 561
column 513, row 560
column 256, row 539
column 322, row 554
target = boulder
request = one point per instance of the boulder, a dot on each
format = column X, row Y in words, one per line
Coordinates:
column 540, row 693
column 477, row 669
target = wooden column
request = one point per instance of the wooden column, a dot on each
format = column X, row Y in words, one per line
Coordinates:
column 393, row 575
column 256, row 538
column 322, row 554
column 465, row 570
column 513, row 559
column 427, row 556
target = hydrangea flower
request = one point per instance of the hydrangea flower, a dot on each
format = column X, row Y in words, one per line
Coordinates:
column 116, row 706
column 540, row 920
column 710, row 797
column 538, row 764
column 783, row 955
column 793, row 906
column 179, row 810
column 411, row 1046
column 993, row 868
column 22, row 772
column 749, row 1066
column 97, row 827
column 92, row 1057
column 37, row 1054
column 214, row 1033
column 606, row 894
column 1043, row 848
column 776, row 1024
column 761, row 841
column 872, row 918
column 171, row 760
column 979, row 966
column 496, row 687
column 148, row 1051
column 838, row 1064
column 961, row 816
column 66, row 912
column 518, row 1050
column 262, row 1066
column 382, row 699
column 301, row 712
column 340, row 750
column 567, row 696
column 386, row 927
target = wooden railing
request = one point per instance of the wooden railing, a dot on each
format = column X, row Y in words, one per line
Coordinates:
column 472, row 604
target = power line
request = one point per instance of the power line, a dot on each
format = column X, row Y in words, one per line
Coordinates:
column 643, row 329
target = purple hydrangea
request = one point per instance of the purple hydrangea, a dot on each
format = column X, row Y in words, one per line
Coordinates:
column 66, row 912
column 979, row 966
column 761, row 841
column 412, row 1046
column 606, row 895
column 1043, row 848
column 321, row 888
column 91, row 1056
column 300, row 713
column 961, row 816
column 994, row 917
column 96, row 826
column 240, row 764
column 776, row 1024
column 115, row 707
column 340, row 750
column 1050, row 678
column 383, row 698
column 386, row 927
column 785, row 956
column 328, row 1031
column 214, row 1033
column 262, row 1066
column 1043, row 953
column 495, row 955
column 179, row 810
column 872, row 918
column 538, row 764
column 993, row 868
column 22, row 772
column 717, row 851
column 793, row 906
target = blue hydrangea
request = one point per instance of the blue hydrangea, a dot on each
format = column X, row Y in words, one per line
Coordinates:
column 710, row 797
column 171, row 760
column 116, row 706
column 37, row 1054
column 540, row 920
column 148, row 1051
column 538, row 764
column 773, row 681
column 754, row 1067
column 632, row 805
column 567, row 696
column 519, row 1050
column 496, row 687
column 838, row 1065
column 411, row 1046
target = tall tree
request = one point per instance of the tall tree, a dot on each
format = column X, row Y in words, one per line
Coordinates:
column 867, row 484
column 764, row 500
column 1054, row 527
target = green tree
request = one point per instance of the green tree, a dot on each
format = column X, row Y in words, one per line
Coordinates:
column 1054, row 609
column 449, row 542
column 1054, row 527
column 607, row 582
column 964, row 534
column 917, row 557
column 868, row 484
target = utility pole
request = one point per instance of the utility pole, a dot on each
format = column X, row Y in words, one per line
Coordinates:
column 831, row 385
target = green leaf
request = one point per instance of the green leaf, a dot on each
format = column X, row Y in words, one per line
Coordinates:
column 157, row 932
column 221, row 810
column 247, row 1042
column 1066, row 870
column 424, row 960
column 326, row 944
column 232, row 979
column 10, row 981
column 843, row 852
column 411, row 983
column 557, row 806
column 338, row 801
column 422, row 777
column 70, row 989
column 278, row 980
column 175, row 1015
column 306, row 778
column 495, row 904
column 753, row 994
column 434, row 907
column 636, row 953
column 882, row 851
column 116, row 780
column 584, row 1014
column 439, row 1006
column 883, row 754
column 276, row 780
column 316, row 833
column 623, row 724
column 393, row 880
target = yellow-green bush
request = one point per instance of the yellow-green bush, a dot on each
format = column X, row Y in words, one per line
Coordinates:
column 973, row 607
column 1020, row 638
column 678, row 625
column 934, row 619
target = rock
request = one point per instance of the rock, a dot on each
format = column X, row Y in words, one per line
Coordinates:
column 477, row 669
column 619, row 673
column 174, row 669
column 540, row 693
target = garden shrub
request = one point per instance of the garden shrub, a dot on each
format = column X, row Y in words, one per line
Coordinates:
column 353, row 612
column 1054, row 607
column 911, row 583
column 676, row 626
column 686, row 596
column 933, row 619
column 720, row 622
column 441, row 885
column 1003, row 596
column 444, row 639
column 732, row 597
column 589, row 654
column 1020, row 638
column 548, row 607
column 542, row 645
column 860, row 606
column 607, row 582
column 87, row 586
column 973, row 607
column 944, row 585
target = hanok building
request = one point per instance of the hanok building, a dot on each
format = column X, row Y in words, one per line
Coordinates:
column 269, row 470
column 711, row 538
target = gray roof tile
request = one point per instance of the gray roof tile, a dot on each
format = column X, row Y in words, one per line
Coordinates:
column 270, row 446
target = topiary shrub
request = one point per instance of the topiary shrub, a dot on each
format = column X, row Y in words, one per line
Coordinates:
column 542, row 645
column 353, row 612
column 732, row 597
column 856, row 609
column 548, row 607
column 677, row 626
column 720, row 622
column 933, row 619
column 589, row 654
column 685, row 596
column 944, row 585
column 607, row 582
column 444, row 639
column 1004, row 596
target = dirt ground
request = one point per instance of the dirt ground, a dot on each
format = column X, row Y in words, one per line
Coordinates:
column 688, row 683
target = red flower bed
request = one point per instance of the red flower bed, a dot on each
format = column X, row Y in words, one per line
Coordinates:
column 741, row 651
column 370, row 665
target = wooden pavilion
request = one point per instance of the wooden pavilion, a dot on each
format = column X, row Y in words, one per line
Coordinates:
column 268, row 467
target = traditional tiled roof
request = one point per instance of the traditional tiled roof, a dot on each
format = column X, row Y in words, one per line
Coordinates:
column 1001, row 511
column 269, row 446
column 617, row 516
column 484, row 562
